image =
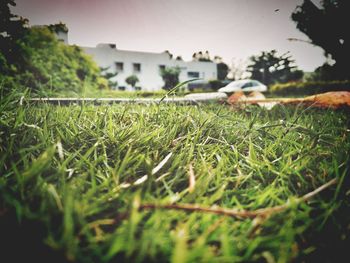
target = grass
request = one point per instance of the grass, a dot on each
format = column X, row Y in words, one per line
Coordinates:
column 87, row 92
column 74, row 179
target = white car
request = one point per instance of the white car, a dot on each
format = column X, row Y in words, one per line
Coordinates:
column 247, row 85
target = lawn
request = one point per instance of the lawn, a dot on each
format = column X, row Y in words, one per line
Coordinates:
column 149, row 183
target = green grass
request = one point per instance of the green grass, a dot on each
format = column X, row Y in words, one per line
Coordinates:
column 64, row 170
column 89, row 93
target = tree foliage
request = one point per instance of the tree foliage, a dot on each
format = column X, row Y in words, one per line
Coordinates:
column 201, row 56
column 109, row 76
column 34, row 58
column 12, row 28
column 170, row 77
column 132, row 80
column 52, row 64
column 215, row 84
column 222, row 70
column 59, row 27
column 309, row 87
column 327, row 27
column 269, row 68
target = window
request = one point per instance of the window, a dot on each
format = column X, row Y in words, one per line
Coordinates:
column 121, row 87
column 161, row 67
column 255, row 83
column 119, row 66
column 193, row 74
column 247, row 85
column 136, row 67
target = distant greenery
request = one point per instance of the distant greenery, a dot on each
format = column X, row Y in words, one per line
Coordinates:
column 222, row 71
column 216, row 84
column 12, row 28
column 51, row 66
column 109, row 75
column 222, row 68
column 327, row 27
column 201, row 56
column 269, row 67
column 132, row 80
column 110, row 93
column 170, row 77
column 59, row 27
column 309, row 88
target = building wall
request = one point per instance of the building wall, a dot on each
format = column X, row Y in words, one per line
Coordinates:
column 106, row 55
column 62, row 36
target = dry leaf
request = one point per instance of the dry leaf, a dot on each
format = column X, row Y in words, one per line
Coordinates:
column 333, row 99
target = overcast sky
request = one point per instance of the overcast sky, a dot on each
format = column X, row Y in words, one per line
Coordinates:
column 232, row 29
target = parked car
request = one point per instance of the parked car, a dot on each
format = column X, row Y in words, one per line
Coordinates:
column 244, row 85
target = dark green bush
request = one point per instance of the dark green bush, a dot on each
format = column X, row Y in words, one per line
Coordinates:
column 170, row 77
column 216, row 84
column 309, row 88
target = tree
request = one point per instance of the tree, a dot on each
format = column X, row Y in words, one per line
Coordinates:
column 222, row 70
column 34, row 58
column 109, row 76
column 237, row 70
column 326, row 72
column 215, row 84
column 269, row 68
column 132, row 80
column 59, row 27
column 200, row 56
column 327, row 27
column 51, row 66
column 12, row 28
column 170, row 77
column 206, row 56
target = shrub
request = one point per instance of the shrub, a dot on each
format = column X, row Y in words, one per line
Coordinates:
column 216, row 84
column 309, row 88
column 132, row 80
column 170, row 77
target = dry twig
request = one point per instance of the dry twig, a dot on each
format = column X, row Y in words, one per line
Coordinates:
column 238, row 213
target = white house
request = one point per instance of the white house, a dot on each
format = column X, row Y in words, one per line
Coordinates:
column 145, row 65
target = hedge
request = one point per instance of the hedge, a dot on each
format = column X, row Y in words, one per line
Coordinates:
column 309, row 88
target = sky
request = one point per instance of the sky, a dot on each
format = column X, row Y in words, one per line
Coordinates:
column 232, row 29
